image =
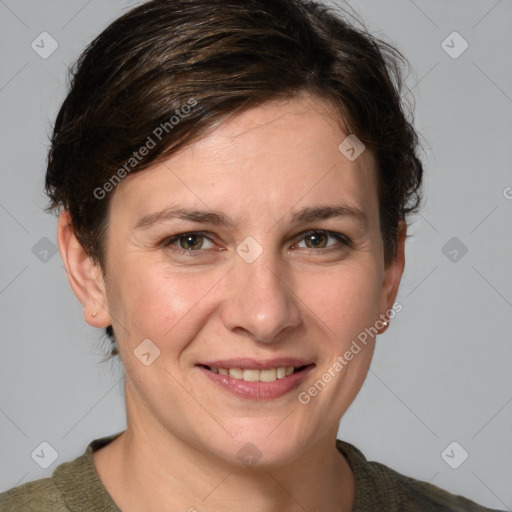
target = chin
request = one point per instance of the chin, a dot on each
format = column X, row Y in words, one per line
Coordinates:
column 261, row 444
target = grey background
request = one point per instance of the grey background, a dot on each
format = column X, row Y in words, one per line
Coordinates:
column 441, row 372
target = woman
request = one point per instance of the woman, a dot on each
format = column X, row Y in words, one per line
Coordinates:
column 234, row 181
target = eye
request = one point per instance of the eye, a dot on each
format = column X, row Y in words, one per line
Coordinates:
column 188, row 242
column 195, row 241
column 318, row 239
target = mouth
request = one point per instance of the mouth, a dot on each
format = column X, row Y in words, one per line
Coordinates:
column 255, row 375
column 250, row 379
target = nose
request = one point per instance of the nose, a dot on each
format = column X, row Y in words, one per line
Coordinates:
column 261, row 303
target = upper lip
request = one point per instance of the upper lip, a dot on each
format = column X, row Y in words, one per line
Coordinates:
column 253, row 364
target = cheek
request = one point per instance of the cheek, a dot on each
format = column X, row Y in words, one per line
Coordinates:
column 171, row 307
column 346, row 300
column 156, row 305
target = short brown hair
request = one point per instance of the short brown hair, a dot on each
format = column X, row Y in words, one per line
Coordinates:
column 196, row 62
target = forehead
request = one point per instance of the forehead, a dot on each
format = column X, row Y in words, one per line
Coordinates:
column 272, row 157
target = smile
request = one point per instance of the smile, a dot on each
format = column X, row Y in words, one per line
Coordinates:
column 254, row 375
column 257, row 383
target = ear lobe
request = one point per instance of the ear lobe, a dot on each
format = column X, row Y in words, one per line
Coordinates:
column 85, row 276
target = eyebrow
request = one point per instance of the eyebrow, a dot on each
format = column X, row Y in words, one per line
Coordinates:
column 306, row 214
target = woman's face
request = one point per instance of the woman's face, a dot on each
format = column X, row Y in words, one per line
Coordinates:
column 263, row 274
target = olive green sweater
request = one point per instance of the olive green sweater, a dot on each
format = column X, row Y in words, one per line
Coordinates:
column 75, row 486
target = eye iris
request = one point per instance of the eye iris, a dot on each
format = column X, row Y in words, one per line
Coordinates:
column 315, row 238
column 192, row 240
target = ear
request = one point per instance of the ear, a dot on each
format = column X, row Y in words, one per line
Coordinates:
column 393, row 274
column 85, row 276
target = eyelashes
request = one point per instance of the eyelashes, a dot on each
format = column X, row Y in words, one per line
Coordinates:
column 343, row 239
column 194, row 239
column 192, row 235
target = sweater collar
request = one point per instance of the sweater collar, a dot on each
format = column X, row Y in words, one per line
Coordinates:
column 82, row 488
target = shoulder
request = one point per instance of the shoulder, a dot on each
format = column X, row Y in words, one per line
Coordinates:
column 74, row 485
column 40, row 496
column 380, row 487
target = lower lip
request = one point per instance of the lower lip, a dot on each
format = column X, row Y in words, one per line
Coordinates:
column 259, row 390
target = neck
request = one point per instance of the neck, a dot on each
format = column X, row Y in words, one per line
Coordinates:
column 148, row 468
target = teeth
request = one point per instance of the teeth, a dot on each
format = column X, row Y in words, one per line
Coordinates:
column 268, row 375
column 251, row 375
column 236, row 373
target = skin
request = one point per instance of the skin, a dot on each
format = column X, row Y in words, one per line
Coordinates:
column 297, row 300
